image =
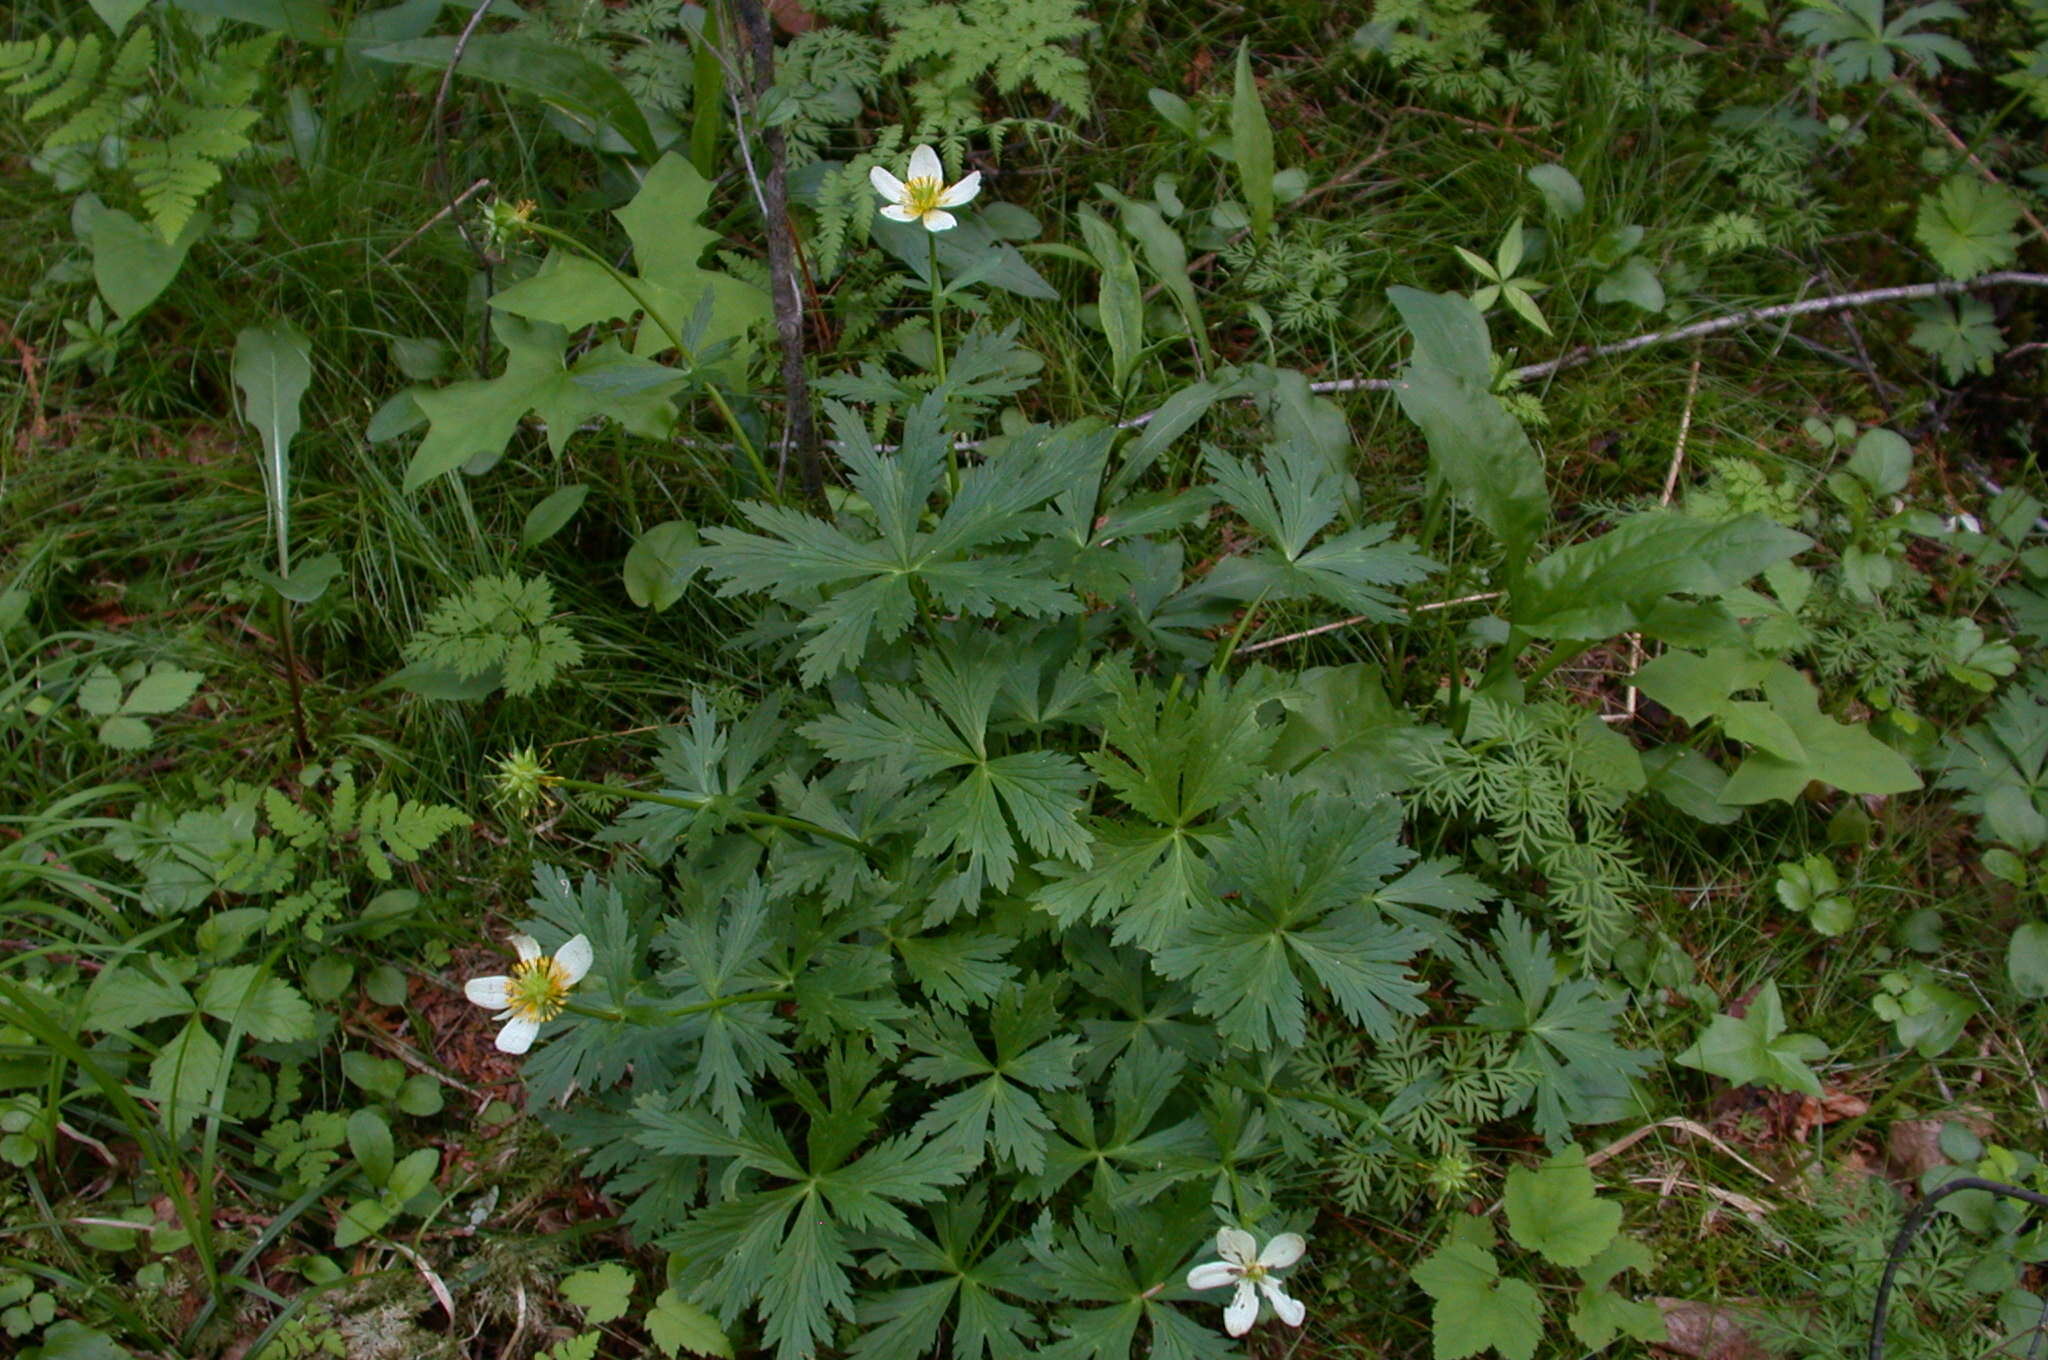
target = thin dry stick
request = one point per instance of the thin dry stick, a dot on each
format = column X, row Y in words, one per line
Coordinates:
column 450, row 206
column 1959, row 144
column 1361, row 618
column 799, row 433
column 1635, row 640
column 483, row 257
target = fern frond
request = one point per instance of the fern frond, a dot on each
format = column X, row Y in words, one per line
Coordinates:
column 64, row 81
column 302, row 829
column 105, row 113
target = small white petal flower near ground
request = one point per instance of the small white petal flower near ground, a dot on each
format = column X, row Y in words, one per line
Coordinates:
column 923, row 196
column 536, row 991
column 1251, row 1270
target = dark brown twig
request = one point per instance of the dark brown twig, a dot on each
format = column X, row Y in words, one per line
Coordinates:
column 799, row 432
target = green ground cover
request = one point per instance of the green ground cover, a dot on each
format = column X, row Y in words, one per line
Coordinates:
column 1389, row 703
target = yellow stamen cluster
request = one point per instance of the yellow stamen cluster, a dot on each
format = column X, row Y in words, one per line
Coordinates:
column 538, row 991
column 921, row 196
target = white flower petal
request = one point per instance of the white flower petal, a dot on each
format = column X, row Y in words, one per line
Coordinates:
column 1283, row 1251
column 574, row 959
column 938, row 221
column 528, row 947
column 886, row 184
column 1289, row 1310
column 896, row 212
column 924, row 164
column 963, row 192
column 1213, row 1275
column 1243, row 1310
column 487, row 991
column 1237, row 1246
column 518, row 1035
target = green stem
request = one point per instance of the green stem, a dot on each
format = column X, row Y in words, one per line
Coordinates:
column 677, row 1012
column 675, row 339
column 939, row 349
column 699, row 804
column 1237, row 634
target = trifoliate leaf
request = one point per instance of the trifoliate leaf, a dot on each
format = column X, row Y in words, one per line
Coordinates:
column 1755, row 1050
column 679, row 1327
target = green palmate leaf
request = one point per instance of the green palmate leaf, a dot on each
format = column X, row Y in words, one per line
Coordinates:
column 1967, row 225
column 979, row 1288
column 603, row 1292
column 470, row 422
column 709, row 310
column 1296, row 865
column 997, row 1110
column 1858, row 44
column 1176, row 760
column 997, row 800
column 1121, row 1147
column 1602, row 1314
column 1554, row 1210
column 858, row 582
column 1476, row 449
column 678, row 1327
column 785, row 1247
column 1609, row 585
column 1475, row 1308
column 1755, row 1050
column 1289, row 501
column 2000, row 766
column 1114, row 1286
column 1567, row 1026
column 559, row 75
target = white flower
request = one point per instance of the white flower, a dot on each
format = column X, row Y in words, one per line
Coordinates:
column 1250, row 1269
column 925, row 195
column 536, row 991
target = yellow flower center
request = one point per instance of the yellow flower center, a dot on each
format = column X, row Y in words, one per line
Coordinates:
column 539, row 989
column 922, row 195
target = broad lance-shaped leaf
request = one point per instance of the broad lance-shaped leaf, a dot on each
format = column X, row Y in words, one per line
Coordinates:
column 1607, row 585
column 557, row 74
column 471, row 421
column 273, row 367
column 572, row 291
column 1476, row 448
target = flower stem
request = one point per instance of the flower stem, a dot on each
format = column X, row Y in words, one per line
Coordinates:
column 699, row 804
column 675, row 339
column 939, row 349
